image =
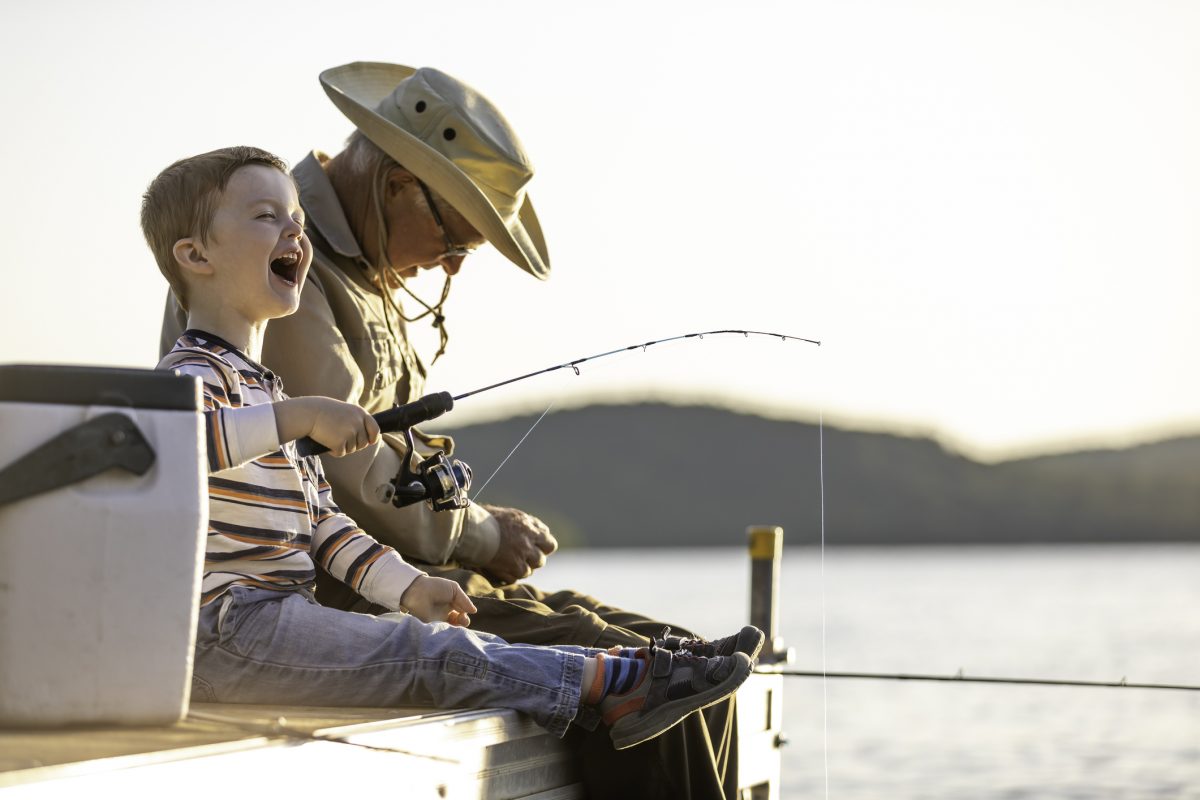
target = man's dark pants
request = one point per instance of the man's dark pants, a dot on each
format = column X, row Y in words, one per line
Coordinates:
column 695, row 759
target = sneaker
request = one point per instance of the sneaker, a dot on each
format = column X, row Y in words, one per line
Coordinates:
column 674, row 685
column 748, row 640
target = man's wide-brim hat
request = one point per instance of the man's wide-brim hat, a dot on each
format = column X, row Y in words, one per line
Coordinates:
column 455, row 141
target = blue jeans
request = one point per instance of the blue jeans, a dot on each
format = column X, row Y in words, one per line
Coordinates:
column 260, row 646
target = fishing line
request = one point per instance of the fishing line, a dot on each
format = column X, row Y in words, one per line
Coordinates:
column 824, row 681
column 510, row 452
column 961, row 678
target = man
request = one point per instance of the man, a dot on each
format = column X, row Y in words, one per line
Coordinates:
column 432, row 172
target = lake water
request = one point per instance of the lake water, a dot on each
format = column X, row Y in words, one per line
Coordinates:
column 1100, row 613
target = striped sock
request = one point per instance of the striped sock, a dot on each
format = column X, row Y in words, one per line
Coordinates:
column 626, row 652
column 615, row 675
column 622, row 675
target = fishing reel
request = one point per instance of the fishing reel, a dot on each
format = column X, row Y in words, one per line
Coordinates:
column 440, row 481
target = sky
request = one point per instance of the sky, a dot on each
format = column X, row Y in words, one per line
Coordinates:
column 986, row 211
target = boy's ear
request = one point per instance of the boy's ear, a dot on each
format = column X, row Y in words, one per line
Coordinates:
column 189, row 255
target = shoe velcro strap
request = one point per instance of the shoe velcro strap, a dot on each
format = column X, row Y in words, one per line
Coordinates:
column 660, row 666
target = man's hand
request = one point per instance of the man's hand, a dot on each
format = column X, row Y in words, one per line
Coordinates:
column 525, row 541
column 432, row 599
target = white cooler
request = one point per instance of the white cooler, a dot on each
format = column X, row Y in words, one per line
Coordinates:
column 103, row 515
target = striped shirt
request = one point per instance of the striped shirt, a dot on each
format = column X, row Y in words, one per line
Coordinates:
column 271, row 512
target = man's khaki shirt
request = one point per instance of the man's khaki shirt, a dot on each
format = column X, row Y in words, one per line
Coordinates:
column 342, row 342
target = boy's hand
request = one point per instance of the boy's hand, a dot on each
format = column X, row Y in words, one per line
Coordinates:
column 432, row 599
column 342, row 427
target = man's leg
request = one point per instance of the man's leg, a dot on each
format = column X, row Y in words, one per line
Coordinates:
column 520, row 612
column 695, row 759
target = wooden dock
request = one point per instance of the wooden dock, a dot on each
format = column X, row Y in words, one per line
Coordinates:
column 221, row 750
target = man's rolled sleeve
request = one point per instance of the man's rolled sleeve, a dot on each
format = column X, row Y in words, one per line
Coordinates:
column 480, row 539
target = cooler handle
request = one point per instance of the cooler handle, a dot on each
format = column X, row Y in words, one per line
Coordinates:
column 101, row 443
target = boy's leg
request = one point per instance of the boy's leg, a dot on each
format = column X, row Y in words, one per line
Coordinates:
column 257, row 646
column 696, row 759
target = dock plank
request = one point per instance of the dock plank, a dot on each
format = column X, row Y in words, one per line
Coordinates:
column 489, row 754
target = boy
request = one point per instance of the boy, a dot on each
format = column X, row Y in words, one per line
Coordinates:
column 227, row 231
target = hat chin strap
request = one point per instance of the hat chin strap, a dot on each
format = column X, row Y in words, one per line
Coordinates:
column 387, row 275
column 439, row 318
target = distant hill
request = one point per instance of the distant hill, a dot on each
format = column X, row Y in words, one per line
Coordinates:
column 656, row 474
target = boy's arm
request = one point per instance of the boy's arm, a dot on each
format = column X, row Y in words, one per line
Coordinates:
column 341, row 427
column 236, row 434
column 375, row 571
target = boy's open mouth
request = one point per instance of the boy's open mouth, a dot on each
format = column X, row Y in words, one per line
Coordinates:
column 287, row 267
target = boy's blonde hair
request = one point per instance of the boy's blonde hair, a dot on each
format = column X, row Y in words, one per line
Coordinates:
column 182, row 200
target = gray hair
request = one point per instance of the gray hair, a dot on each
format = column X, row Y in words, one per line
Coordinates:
column 364, row 157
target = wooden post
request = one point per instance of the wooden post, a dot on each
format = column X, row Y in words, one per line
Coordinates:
column 766, row 553
column 760, row 700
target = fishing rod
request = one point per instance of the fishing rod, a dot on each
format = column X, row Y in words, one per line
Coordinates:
column 443, row 482
column 961, row 678
column 575, row 364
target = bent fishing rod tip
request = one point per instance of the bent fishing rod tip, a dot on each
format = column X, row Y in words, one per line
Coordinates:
column 574, row 365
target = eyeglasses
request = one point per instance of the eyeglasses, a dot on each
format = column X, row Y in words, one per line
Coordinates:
column 452, row 250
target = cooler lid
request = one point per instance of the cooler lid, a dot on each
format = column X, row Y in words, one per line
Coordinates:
column 99, row 386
